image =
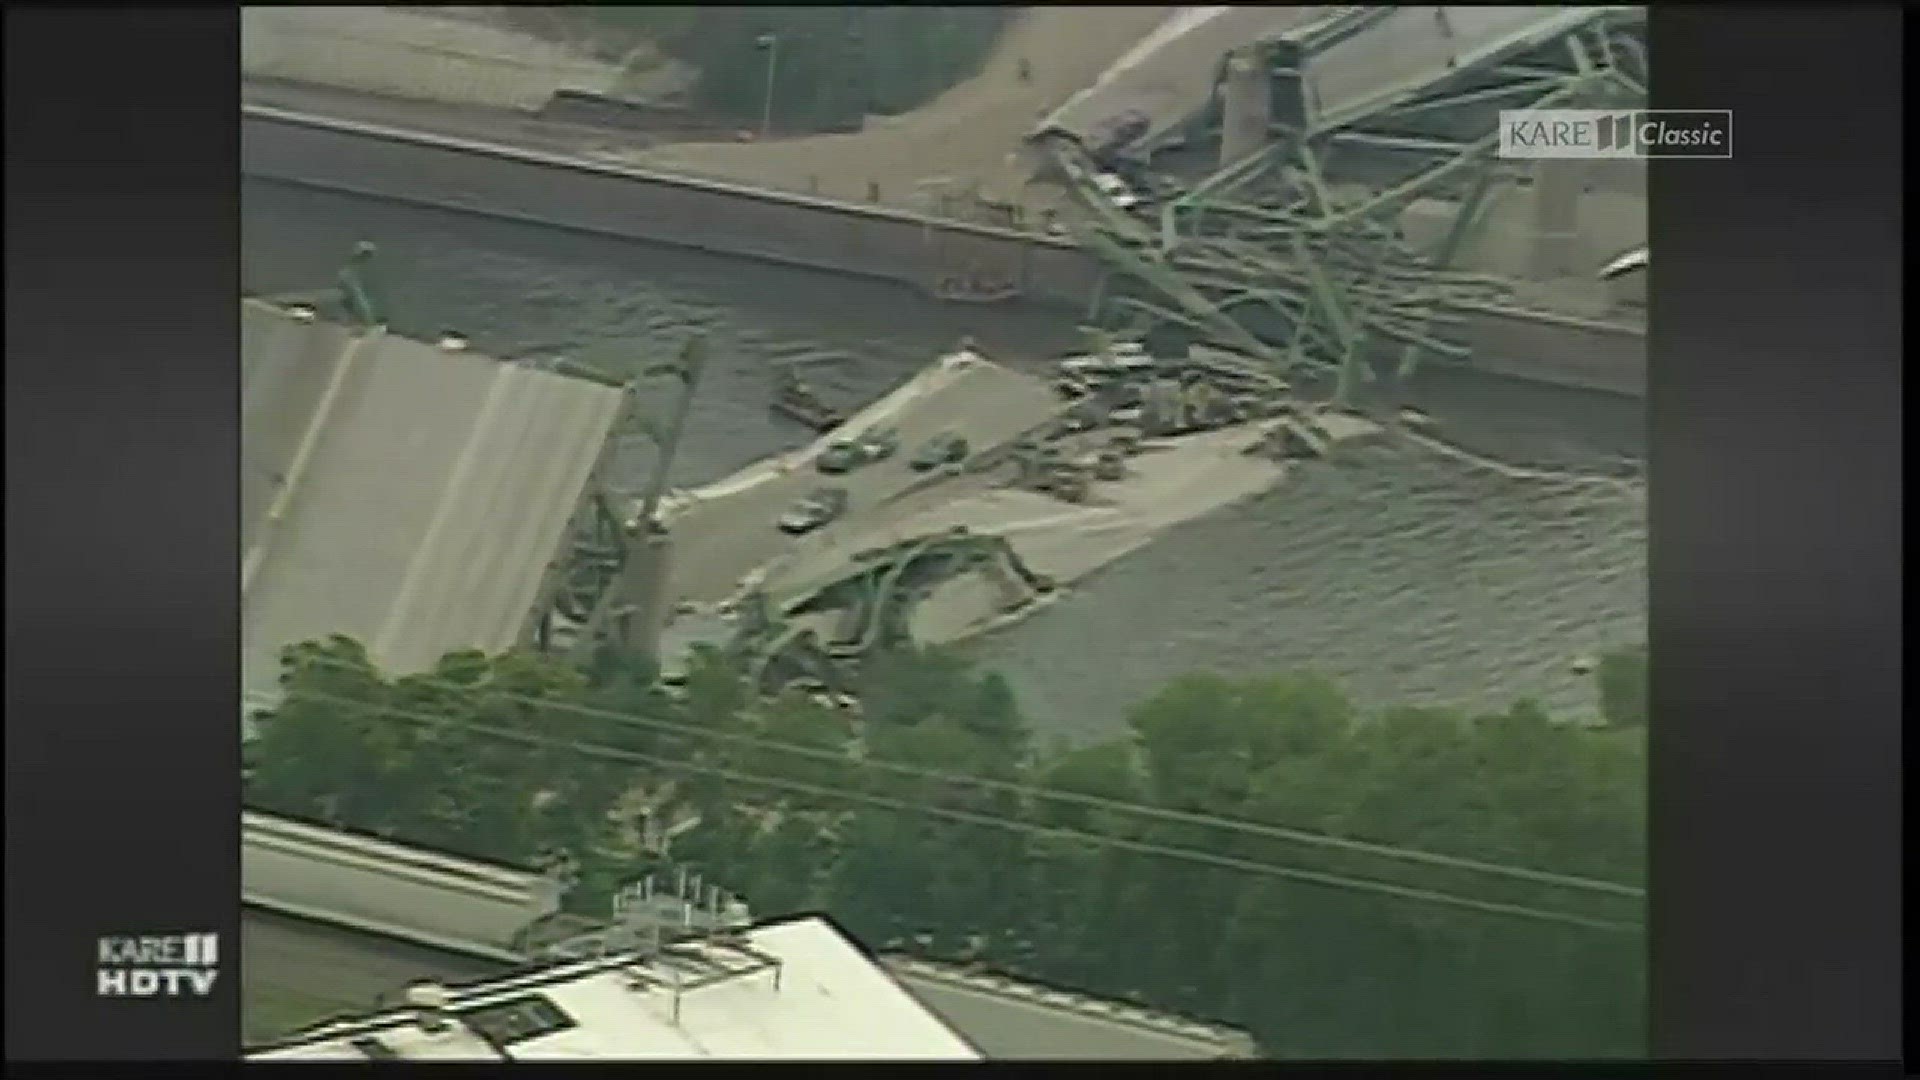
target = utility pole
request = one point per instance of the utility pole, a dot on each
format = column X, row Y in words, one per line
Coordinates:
column 771, row 44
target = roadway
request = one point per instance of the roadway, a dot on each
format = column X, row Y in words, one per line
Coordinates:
column 1170, row 482
column 726, row 530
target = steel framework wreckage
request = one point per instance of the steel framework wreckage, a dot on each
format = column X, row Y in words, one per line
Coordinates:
column 1292, row 251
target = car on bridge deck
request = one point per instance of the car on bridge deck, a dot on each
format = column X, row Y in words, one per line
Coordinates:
column 846, row 455
column 813, row 511
column 946, row 448
column 1116, row 190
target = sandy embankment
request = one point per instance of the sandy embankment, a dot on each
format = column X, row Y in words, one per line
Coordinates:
column 966, row 136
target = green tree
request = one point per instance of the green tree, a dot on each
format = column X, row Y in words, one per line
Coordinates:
column 833, row 65
column 326, row 751
column 1310, row 969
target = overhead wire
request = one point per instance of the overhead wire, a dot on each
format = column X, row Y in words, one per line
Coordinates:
column 1031, row 791
column 971, row 817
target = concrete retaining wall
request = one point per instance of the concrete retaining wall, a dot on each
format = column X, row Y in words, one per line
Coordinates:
column 642, row 205
column 314, row 873
column 559, row 191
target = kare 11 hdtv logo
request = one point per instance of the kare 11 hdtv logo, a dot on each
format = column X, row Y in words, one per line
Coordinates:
column 157, row 965
column 1587, row 134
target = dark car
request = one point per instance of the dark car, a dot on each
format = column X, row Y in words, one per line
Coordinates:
column 946, row 448
column 813, row 511
column 841, row 455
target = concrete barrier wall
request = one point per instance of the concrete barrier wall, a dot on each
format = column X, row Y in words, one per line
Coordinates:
column 314, row 873
column 728, row 219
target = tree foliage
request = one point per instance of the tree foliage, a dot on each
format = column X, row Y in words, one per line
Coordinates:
column 887, row 825
column 831, row 66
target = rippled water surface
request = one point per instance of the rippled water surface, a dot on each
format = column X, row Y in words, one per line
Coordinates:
column 1410, row 575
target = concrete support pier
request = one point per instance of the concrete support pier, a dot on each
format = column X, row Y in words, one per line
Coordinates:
column 1558, row 249
column 1246, row 107
column 641, row 592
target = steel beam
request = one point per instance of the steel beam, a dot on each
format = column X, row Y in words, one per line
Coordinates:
column 1475, row 154
column 1330, row 305
column 1448, row 248
column 1533, row 84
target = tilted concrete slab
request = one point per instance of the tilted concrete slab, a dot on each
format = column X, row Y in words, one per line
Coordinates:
column 433, row 490
column 285, row 369
column 724, row 530
column 1411, row 48
column 1179, row 481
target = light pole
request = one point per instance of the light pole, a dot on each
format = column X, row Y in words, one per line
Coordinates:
column 772, row 45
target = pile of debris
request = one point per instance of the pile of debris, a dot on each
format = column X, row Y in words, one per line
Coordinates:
column 796, row 400
column 1205, row 390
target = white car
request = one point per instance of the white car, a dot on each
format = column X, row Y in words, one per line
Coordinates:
column 1116, row 190
column 1624, row 264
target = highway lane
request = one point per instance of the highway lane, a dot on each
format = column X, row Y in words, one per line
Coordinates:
column 723, row 535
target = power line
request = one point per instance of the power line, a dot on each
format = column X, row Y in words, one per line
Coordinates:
column 970, row 817
column 1251, row 828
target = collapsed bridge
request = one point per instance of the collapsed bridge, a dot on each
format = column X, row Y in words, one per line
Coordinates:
column 1320, row 187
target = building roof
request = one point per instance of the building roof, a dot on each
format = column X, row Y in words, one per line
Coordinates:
column 398, row 493
column 1011, row 1019
column 465, row 916
column 300, row 972
column 394, row 890
column 795, row 990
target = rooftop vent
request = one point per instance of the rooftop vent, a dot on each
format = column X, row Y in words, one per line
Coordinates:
column 508, row 1022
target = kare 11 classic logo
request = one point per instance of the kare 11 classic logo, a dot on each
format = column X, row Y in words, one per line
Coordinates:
column 1588, row 134
column 157, row 965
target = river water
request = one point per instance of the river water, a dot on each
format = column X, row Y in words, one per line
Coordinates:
column 1411, row 576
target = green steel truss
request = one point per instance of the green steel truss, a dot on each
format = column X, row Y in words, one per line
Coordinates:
column 1270, row 257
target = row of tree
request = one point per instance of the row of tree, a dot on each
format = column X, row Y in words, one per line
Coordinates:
column 918, row 825
column 831, row 66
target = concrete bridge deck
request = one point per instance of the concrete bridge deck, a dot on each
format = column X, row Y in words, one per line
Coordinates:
column 409, row 497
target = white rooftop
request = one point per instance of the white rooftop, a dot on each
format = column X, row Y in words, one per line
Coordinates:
column 794, row 990
column 1015, row 1020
